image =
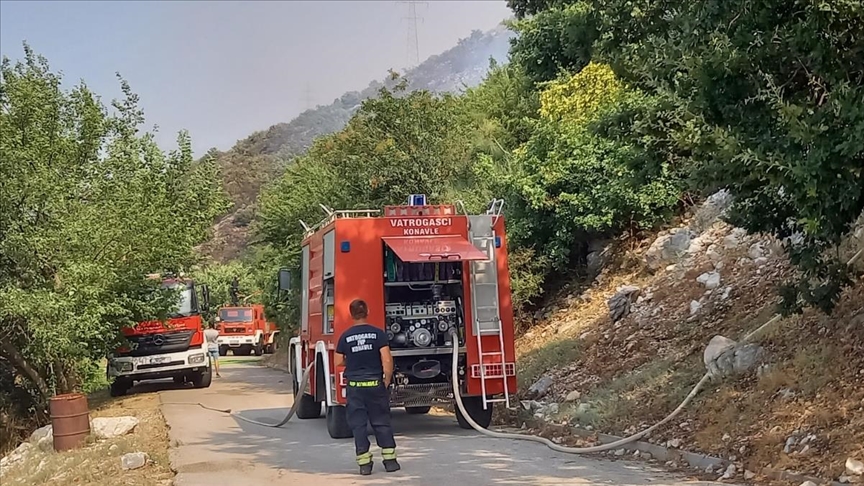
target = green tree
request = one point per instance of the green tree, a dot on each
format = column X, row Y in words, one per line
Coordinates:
column 759, row 102
column 90, row 205
column 576, row 184
column 558, row 41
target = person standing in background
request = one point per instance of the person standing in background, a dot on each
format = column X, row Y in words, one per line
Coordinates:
column 211, row 335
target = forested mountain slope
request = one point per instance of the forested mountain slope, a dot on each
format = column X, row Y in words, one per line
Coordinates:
column 262, row 156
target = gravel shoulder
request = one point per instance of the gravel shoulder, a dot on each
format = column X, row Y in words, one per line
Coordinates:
column 99, row 463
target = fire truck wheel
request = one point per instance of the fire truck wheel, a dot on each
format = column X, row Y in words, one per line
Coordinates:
column 337, row 423
column 474, row 407
column 120, row 387
column 202, row 379
column 308, row 408
column 417, row 410
column 223, row 350
column 259, row 349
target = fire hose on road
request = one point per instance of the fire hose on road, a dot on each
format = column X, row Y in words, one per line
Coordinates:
column 549, row 443
column 303, row 382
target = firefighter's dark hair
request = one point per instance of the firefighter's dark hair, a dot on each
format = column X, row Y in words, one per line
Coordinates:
column 358, row 309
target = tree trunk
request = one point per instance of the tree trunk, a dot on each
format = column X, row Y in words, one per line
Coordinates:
column 14, row 356
column 67, row 380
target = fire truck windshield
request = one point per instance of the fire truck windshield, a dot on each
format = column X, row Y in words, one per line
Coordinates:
column 186, row 303
column 236, row 315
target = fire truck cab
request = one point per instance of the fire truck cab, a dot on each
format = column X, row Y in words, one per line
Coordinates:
column 171, row 349
column 425, row 271
column 245, row 330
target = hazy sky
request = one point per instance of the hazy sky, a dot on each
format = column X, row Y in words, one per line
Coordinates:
column 224, row 69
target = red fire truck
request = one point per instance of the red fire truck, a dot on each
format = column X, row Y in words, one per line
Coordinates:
column 171, row 349
column 244, row 330
column 425, row 271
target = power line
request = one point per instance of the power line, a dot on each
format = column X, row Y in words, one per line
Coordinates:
column 413, row 39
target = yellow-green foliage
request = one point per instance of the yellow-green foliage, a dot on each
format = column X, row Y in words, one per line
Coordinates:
column 578, row 99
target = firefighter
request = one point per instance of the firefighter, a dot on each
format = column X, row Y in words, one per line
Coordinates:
column 365, row 351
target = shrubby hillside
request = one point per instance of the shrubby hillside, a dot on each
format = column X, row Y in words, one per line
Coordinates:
column 262, row 156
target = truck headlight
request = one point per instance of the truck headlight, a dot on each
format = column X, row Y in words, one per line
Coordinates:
column 196, row 358
column 123, row 366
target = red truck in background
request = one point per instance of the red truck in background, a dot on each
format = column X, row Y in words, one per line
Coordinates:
column 171, row 349
column 244, row 330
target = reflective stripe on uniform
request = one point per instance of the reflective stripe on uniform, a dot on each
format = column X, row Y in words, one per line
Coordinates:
column 364, row 458
column 370, row 383
column 388, row 453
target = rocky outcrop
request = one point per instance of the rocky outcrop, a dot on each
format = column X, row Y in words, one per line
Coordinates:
column 724, row 357
column 668, row 248
column 713, row 209
column 540, row 388
column 619, row 304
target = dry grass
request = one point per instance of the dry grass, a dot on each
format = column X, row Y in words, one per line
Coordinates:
column 98, row 464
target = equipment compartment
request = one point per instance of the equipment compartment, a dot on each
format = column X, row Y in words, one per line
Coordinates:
column 422, row 302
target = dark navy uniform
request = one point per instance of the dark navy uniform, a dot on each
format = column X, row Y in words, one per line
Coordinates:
column 367, row 396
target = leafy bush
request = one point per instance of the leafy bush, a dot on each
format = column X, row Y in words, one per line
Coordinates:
column 755, row 101
column 577, row 184
column 89, row 206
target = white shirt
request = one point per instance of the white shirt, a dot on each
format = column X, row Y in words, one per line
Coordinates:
column 210, row 335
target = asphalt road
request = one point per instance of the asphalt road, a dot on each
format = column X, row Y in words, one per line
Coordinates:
column 211, row 448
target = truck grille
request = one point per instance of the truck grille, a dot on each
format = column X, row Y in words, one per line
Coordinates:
column 235, row 330
column 169, row 342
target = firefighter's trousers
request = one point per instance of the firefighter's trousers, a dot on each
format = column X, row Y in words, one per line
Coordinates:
column 369, row 401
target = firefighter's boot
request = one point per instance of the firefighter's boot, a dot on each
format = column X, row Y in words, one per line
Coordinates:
column 365, row 462
column 390, row 464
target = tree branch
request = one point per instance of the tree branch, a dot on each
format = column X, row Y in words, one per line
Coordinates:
column 14, row 356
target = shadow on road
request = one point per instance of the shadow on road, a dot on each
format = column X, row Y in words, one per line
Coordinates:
column 225, row 363
column 433, row 450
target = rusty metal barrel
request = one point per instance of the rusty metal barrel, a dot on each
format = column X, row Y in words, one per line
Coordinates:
column 70, row 420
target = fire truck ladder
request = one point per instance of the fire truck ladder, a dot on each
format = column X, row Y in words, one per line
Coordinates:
column 484, row 300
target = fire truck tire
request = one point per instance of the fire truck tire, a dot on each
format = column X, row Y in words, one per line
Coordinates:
column 259, row 348
column 337, row 423
column 474, row 407
column 308, row 408
column 119, row 387
column 203, row 378
column 223, row 350
column 417, row 410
